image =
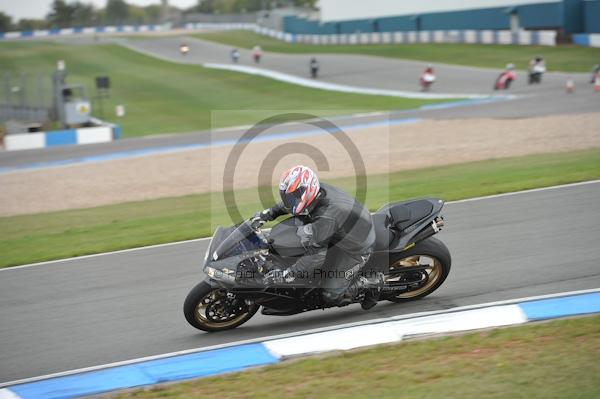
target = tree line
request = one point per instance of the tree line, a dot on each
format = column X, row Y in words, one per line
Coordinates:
column 240, row 6
column 65, row 14
column 68, row 14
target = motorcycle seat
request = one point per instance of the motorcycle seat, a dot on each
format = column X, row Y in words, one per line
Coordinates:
column 404, row 214
column 394, row 218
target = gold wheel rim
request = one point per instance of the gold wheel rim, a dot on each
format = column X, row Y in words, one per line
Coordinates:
column 434, row 272
column 203, row 306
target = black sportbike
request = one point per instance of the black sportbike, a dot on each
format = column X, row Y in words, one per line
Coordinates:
column 413, row 262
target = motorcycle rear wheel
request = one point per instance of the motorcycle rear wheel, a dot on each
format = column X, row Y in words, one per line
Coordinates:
column 430, row 252
column 209, row 309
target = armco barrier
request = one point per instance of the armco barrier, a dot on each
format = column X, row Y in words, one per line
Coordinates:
column 588, row 40
column 545, row 38
column 524, row 37
column 83, row 31
column 263, row 351
column 86, row 135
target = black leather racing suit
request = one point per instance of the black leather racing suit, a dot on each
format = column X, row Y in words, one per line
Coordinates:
column 338, row 235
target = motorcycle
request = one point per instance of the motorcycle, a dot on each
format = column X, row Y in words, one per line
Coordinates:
column 537, row 68
column 536, row 73
column 184, row 49
column 595, row 74
column 314, row 68
column 426, row 81
column 413, row 262
column 504, row 80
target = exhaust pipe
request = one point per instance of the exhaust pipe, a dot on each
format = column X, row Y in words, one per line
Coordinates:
column 430, row 230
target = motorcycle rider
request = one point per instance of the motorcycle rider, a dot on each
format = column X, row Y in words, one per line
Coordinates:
column 235, row 55
column 537, row 67
column 336, row 227
column 505, row 79
column 314, row 67
column 595, row 74
column 184, row 48
column 427, row 78
column 257, row 53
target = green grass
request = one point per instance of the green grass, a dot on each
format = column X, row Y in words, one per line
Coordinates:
column 560, row 58
column 56, row 235
column 557, row 359
column 165, row 97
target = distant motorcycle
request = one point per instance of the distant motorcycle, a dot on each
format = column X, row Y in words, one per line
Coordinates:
column 505, row 79
column 257, row 54
column 413, row 262
column 427, row 79
column 235, row 55
column 184, row 49
column 595, row 74
column 537, row 68
column 314, row 68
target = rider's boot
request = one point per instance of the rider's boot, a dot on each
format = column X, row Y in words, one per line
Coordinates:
column 372, row 287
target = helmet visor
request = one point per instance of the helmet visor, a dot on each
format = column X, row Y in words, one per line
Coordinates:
column 293, row 200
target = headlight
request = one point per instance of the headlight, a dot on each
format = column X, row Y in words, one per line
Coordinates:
column 210, row 272
column 225, row 274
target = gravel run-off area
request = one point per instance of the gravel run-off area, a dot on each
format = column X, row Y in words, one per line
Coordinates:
column 382, row 149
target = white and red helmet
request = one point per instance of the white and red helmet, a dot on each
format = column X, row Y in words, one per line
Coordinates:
column 299, row 187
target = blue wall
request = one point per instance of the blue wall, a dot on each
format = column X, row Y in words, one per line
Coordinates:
column 490, row 18
column 571, row 15
column 591, row 16
column 364, row 25
column 396, row 24
column 541, row 16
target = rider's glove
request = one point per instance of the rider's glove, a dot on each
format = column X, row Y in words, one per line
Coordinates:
column 278, row 276
column 266, row 215
column 256, row 222
column 261, row 218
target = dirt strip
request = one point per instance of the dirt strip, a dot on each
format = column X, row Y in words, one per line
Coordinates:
column 382, row 149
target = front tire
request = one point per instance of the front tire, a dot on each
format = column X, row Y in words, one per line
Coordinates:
column 214, row 309
column 430, row 252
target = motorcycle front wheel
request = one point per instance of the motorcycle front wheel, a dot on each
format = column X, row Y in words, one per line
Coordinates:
column 423, row 268
column 214, row 309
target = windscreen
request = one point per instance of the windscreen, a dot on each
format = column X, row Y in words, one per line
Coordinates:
column 241, row 239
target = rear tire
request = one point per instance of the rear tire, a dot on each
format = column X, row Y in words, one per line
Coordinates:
column 200, row 302
column 439, row 258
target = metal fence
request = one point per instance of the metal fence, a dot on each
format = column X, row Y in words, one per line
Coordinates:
column 26, row 98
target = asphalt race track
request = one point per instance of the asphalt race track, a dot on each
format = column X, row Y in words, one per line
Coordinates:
column 84, row 312
column 113, row 307
column 549, row 98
